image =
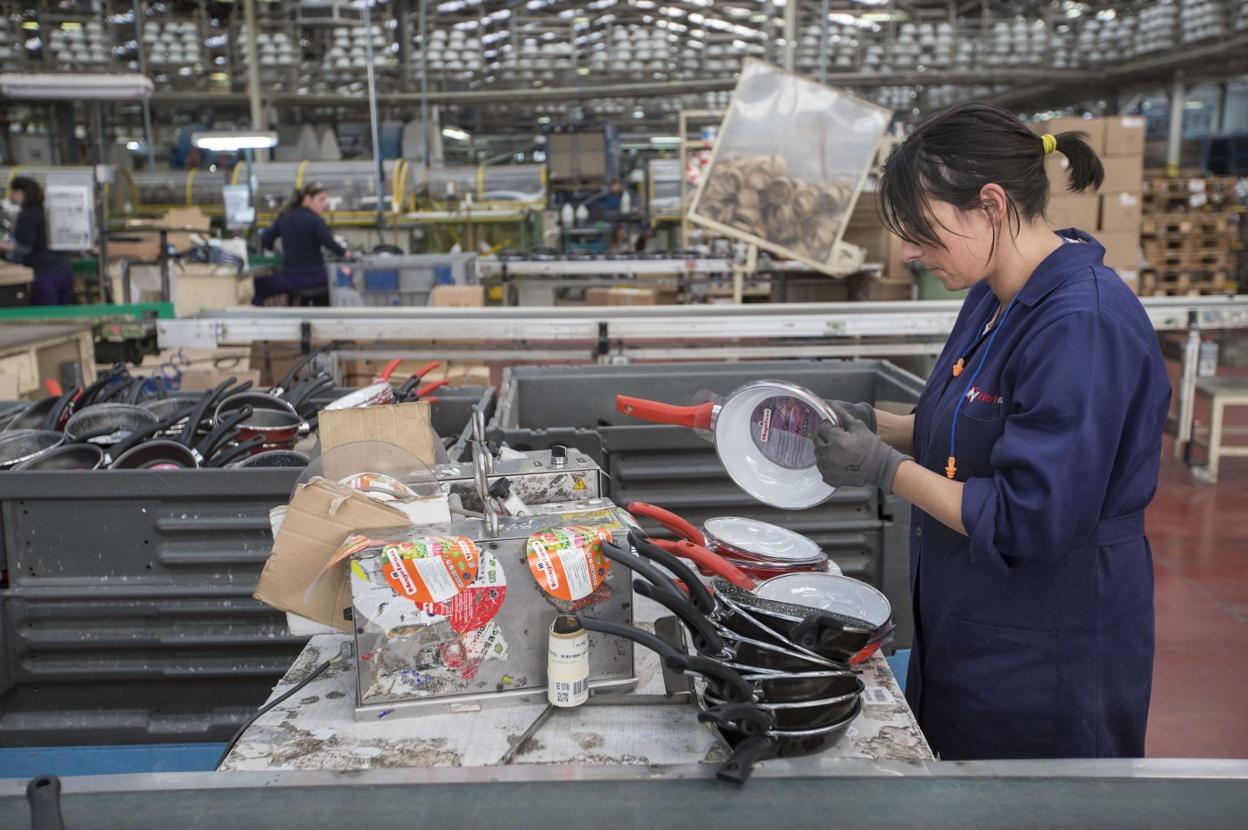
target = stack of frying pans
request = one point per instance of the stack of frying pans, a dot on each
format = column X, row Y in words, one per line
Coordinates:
column 776, row 656
column 109, row 425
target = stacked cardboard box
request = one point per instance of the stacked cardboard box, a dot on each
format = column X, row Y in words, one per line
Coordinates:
column 1113, row 214
column 1191, row 235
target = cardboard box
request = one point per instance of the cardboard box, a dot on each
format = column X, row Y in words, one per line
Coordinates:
column 1074, row 211
column 1121, row 211
column 457, row 296
column 597, row 296
column 134, row 242
column 197, row 286
column 1123, row 175
column 300, row 575
column 1094, row 127
column 406, row 425
column 1122, row 248
column 1124, row 136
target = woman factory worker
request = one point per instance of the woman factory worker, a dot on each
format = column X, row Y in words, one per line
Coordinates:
column 304, row 233
column 53, row 282
column 1029, row 459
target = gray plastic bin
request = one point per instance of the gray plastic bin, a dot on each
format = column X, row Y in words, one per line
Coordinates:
column 126, row 612
column 864, row 531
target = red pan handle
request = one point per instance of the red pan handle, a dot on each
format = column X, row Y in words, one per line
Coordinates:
column 709, row 561
column 669, row 520
column 694, row 417
column 426, row 369
column 429, row 387
column 389, row 370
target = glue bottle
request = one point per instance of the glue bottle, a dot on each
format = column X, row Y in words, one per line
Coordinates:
column 567, row 663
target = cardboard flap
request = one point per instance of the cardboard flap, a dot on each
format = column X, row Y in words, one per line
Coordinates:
column 320, row 516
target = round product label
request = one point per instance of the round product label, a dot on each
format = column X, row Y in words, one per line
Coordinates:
column 567, row 562
column 783, row 429
column 430, row 570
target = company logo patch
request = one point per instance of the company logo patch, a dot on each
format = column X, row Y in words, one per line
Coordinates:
column 976, row 394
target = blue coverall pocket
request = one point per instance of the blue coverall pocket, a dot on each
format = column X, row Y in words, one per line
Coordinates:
column 1001, row 687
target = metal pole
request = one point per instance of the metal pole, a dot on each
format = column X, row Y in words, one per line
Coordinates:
column 148, row 141
column 372, row 116
column 253, row 66
column 823, row 41
column 1174, row 139
column 790, row 33
column 425, row 127
column 101, row 263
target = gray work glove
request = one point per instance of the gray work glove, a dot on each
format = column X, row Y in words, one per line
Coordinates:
column 864, row 412
column 851, row 455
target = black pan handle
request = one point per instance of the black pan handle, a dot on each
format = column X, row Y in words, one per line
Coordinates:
column 705, row 638
column 135, row 437
column 308, row 389
column 733, row 687
column 628, row 632
column 230, row 454
column 816, row 625
column 744, row 717
column 222, row 389
column 238, row 390
column 749, row 752
column 187, row 436
column 217, row 436
column 701, row 597
column 638, row 565
column 284, row 384
column 44, row 795
column 53, row 419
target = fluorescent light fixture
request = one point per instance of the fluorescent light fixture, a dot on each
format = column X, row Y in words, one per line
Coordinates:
column 75, row 87
column 455, row 133
column 230, row 141
column 132, row 146
column 664, row 139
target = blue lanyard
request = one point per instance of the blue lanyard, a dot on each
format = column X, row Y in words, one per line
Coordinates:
column 951, row 469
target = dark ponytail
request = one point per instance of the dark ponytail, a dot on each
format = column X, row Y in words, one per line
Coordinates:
column 1085, row 171
column 301, row 193
column 295, row 200
column 953, row 155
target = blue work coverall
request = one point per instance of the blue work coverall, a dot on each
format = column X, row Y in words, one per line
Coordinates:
column 1034, row 636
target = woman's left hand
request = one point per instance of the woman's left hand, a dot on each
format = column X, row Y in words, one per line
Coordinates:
column 851, row 455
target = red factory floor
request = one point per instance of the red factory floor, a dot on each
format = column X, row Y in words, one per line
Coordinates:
column 1199, row 536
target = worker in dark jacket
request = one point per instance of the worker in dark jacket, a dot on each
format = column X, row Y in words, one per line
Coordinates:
column 53, row 282
column 1030, row 458
column 304, row 233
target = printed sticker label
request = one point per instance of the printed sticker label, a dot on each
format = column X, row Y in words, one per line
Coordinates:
column 430, row 570
column 567, row 562
column 783, row 429
column 481, row 601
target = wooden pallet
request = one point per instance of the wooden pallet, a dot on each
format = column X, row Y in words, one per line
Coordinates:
column 1216, row 202
column 1191, row 242
column 1216, row 260
column 1185, row 280
column 1188, row 223
column 1191, row 184
column 1147, row 290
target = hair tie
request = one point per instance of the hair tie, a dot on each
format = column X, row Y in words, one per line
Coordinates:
column 1049, row 142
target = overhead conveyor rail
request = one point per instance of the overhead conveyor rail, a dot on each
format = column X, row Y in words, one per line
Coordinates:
column 691, row 329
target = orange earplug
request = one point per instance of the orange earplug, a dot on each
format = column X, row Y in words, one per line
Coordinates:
column 951, row 469
column 959, row 366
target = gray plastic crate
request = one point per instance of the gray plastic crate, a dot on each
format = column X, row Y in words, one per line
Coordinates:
column 865, row 532
column 126, row 612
